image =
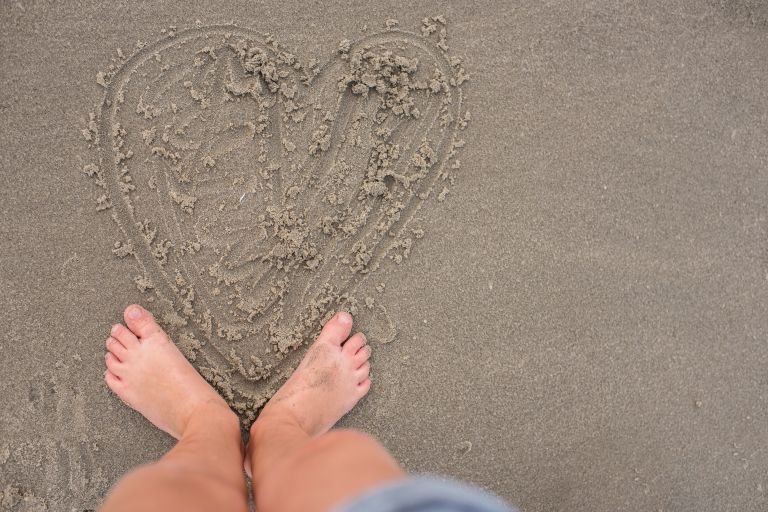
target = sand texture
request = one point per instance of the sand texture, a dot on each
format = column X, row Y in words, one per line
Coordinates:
column 551, row 220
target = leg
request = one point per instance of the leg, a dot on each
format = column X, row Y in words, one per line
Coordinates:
column 289, row 446
column 204, row 470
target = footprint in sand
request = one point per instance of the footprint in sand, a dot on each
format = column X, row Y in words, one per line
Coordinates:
column 257, row 192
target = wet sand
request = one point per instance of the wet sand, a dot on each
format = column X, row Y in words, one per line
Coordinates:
column 551, row 221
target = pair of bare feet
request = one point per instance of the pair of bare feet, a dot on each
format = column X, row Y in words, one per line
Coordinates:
column 149, row 373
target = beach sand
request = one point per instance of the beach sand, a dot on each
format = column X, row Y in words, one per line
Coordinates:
column 551, row 220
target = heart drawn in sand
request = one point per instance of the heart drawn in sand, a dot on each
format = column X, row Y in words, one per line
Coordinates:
column 257, row 192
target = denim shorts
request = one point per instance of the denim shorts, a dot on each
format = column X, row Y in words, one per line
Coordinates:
column 426, row 494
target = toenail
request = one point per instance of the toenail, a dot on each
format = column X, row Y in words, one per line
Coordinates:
column 344, row 317
column 134, row 312
column 114, row 329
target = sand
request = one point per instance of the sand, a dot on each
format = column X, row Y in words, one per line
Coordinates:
column 550, row 219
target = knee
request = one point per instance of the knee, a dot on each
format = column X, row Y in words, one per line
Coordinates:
column 342, row 439
column 134, row 489
column 163, row 487
column 338, row 465
column 341, row 450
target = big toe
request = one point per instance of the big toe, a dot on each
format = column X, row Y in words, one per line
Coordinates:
column 337, row 329
column 140, row 321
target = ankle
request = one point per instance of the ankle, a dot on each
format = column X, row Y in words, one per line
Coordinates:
column 214, row 414
column 274, row 419
column 274, row 436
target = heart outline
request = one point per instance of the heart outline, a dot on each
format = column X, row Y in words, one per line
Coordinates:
column 123, row 212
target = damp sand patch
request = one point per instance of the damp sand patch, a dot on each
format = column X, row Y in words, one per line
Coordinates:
column 257, row 192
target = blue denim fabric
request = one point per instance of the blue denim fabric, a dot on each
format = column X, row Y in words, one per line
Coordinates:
column 426, row 494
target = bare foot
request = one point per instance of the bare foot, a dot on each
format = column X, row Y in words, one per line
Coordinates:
column 149, row 373
column 329, row 381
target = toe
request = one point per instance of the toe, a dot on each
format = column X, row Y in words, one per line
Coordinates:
column 116, row 348
column 337, row 329
column 364, row 386
column 113, row 364
column 140, row 321
column 112, row 380
column 363, row 372
column 362, row 356
column 122, row 334
column 353, row 345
